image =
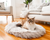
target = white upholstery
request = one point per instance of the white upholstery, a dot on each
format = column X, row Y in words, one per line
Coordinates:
column 41, row 17
column 24, row 33
column 4, row 11
column 34, row 12
column 46, row 9
column 45, row 13
column 8, row 10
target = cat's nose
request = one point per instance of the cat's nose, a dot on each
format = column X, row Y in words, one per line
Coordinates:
column 29, row 21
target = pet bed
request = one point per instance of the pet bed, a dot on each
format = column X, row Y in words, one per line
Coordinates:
column 24, row 33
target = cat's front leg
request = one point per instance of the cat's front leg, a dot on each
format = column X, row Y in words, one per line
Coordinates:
column 25, row 28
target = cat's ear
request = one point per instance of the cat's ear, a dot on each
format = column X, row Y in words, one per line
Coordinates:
column 33, row 18
column 27, row 17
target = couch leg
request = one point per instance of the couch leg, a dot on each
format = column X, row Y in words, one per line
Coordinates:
column 12, row 18
column 7, row 19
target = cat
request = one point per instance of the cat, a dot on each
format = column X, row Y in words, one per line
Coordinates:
column 28, row 30
column 29, row 24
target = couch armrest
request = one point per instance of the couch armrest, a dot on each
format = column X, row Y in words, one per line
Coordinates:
column 10, row 9
column 45, row 13
column 7, row 8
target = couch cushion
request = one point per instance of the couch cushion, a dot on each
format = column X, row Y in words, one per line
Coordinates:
column 46, row 9
column 40, row 17
column 4, row 12
column 45, row 13
column 35, row 10
column 36, row 13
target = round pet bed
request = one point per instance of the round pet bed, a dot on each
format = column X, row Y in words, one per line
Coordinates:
column 24, row 33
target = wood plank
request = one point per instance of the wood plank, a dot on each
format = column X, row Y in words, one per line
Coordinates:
column 7, row 36
column 1, row 38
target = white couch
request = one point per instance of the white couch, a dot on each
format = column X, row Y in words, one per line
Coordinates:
column 41, row 16
column 7, row 12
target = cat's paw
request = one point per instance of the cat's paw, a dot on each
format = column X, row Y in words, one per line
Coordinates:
column 25, row 28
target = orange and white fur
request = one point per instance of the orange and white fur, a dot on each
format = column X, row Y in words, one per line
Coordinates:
column 29, row 24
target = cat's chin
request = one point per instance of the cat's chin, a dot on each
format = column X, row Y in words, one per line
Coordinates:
column 31, row 23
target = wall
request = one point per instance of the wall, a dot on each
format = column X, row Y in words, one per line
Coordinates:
column 18, row 5
column 14, row 8
column 37, row 2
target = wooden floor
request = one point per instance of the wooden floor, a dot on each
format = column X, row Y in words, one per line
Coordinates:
column 6, row 36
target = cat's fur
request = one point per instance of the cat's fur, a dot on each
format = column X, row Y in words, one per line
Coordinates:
column 29, row 24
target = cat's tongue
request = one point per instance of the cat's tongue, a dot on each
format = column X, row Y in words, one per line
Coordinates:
column 29, row 22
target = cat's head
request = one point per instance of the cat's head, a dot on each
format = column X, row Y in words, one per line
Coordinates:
column 31, row 20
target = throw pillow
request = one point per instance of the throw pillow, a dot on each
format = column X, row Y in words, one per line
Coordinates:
column 48, row 3
column 2, row 6
column 42, row 5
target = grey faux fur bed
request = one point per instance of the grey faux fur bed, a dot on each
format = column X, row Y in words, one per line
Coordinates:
column 23, row 33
